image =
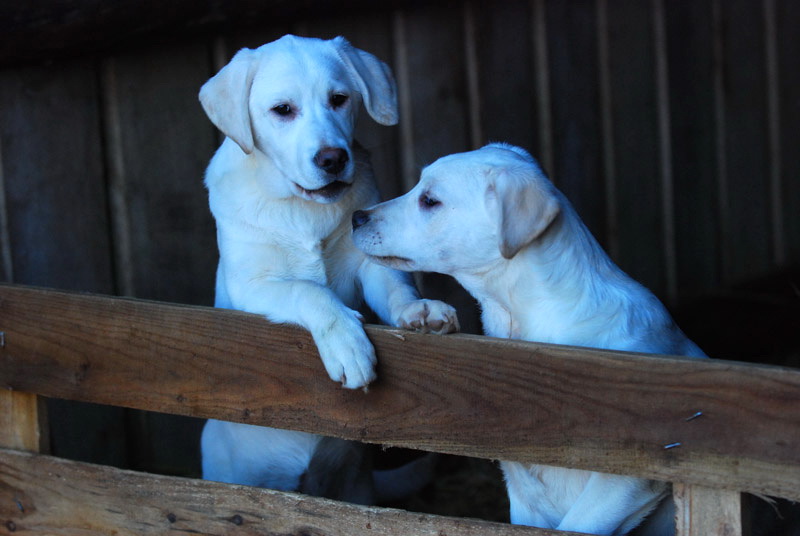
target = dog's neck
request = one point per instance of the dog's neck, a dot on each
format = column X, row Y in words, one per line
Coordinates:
column 559, row 272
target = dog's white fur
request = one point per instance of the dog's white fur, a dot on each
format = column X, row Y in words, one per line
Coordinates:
column 492, row 220
column 282, row 187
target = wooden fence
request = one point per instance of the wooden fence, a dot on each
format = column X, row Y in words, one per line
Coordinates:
column 462, row 394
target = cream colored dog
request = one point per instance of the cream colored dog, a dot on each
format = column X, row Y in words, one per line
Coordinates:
column 282, row 188
column 492, row 220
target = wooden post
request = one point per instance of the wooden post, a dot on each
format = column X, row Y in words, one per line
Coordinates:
column 21, row 417
column 702, row 511
column 21, row 421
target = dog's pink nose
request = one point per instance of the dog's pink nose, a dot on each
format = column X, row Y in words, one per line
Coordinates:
column 331, row 159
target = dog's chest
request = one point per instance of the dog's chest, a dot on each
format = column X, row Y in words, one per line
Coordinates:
column 331, row 261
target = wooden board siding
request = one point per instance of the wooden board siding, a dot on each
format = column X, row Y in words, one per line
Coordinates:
column 745, row 195
column 693, row 135
column 57, row 216
column 164, row 142
column 632, row 111
column 53, row 176
column 572, row 45
column 787, row 115
column 508, row 95
column 160, row 142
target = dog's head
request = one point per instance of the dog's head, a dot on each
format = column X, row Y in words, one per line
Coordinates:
column 468, row 210
column 296, row 100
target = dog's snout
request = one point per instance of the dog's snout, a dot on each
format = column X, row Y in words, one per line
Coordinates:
column 360, row 217
column 331, row 159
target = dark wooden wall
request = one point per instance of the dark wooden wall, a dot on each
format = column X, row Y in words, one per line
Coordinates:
column 671, row 125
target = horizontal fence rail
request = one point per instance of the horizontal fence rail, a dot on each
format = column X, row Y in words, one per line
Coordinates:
column 705, row 422
column 46, row 495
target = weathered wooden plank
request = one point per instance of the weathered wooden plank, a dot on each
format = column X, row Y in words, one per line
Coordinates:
column 165, row 144
column 44, row 495
column 489, row 398
column 574, row 96
column 434, row 42
column 23, row 423
column 56, row 213
column 637, row 218
column 690, row 59
column 787, row 20
column 747, row 250
column 163, row 141
column 701, row 511
column 506, row 59
column 53, row 177
column 6, row 263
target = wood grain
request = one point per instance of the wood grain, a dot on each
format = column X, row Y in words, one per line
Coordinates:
column 20, row 418
column 470, row 395
column 44, row 495
column 636, row 217
column 701, row 511
column 57, row 215
column 746, row 215
column 54, row 186
column 787, row 13
column 690, row 64
column 507, row 78
column 165, row 143
column 572, row 44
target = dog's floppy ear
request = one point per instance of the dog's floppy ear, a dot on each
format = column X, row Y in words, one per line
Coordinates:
column 374, row 79
column 225, row 98
column 524, row 206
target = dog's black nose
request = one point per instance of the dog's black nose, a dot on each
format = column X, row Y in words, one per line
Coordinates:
column 331, row 159
column 360, row 217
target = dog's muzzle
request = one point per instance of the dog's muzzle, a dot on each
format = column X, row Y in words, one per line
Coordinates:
column 333, row 161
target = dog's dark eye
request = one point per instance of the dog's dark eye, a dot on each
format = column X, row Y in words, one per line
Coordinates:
column 426, row 201
column 338, row 99
column 283, row 110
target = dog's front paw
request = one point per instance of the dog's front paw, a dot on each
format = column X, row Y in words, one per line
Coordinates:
column 428, row 316
column 346, row 352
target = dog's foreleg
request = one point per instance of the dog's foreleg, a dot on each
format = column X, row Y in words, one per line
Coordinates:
column 394, row 298
column 337, row 330
column 612, row 504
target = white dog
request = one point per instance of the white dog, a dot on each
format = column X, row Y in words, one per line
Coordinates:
column 492, row 220
column 282, row 188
